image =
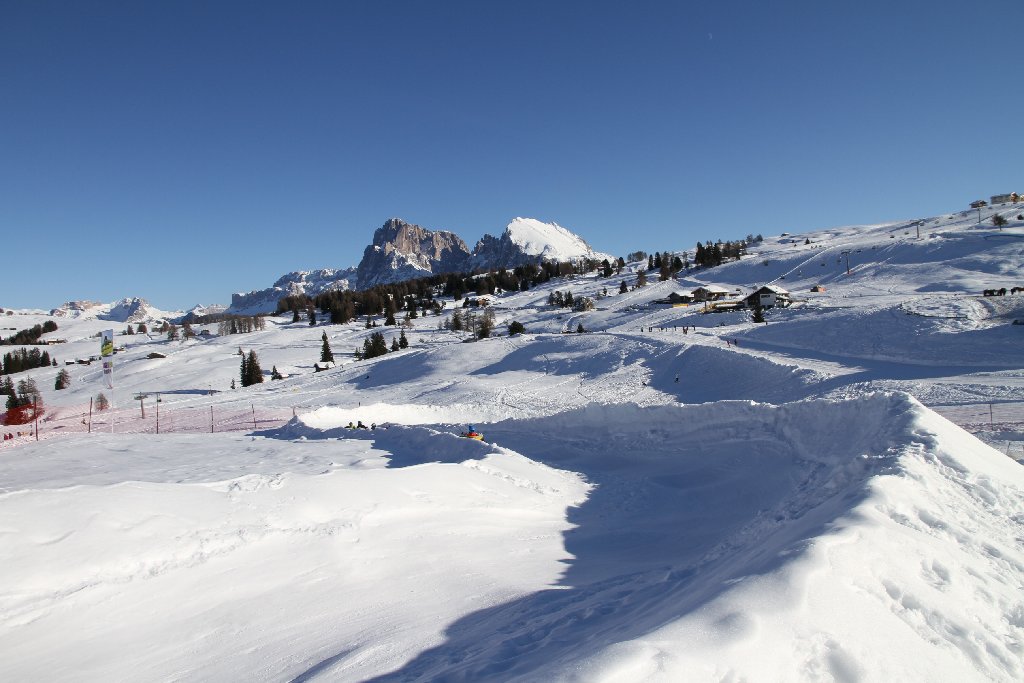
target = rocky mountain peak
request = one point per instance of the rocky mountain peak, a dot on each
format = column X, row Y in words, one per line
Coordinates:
column 402, row 251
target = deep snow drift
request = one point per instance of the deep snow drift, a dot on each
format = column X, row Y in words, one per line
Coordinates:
column 671, row 496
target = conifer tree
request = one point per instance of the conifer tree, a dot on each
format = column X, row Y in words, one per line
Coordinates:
column 485, row 325
column 326, row 356
column 375, row 345
column 252, row 366
column 63, row 380
column 243, row 371
column 403, row 342
column 101, row 401
column 28, row 391
column 394, row 344
column 623, row 288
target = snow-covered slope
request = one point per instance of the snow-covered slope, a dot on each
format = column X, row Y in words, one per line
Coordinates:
column 673, row 495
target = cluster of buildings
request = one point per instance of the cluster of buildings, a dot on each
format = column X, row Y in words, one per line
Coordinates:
column 715, row 298
column 1011, row 198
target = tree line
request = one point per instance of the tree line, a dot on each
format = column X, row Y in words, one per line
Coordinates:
column 30, row 335
column 416, row 297
column 20, row 360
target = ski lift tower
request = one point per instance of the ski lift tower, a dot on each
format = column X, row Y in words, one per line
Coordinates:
column 846, row 253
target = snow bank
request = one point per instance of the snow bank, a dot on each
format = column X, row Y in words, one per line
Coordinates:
column 748, row 541
column 268, row 576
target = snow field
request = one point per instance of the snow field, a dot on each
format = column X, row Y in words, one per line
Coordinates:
column 788, row 510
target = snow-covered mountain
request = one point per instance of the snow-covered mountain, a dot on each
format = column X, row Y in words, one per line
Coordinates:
column 128, row 310
column 403, row 251
column 77, row 309
column 200, row 310
column 307, row 282
column 528, row 240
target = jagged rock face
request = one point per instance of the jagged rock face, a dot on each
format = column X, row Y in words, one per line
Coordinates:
column 134, row 310
column 402, row 251
column 492, row 253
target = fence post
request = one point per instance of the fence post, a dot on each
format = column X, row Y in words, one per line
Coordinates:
column 211, row 419
column 35, row 415
column 90, row 414
column 253, row 406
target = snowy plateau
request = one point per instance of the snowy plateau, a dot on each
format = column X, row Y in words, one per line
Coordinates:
column 670, row 495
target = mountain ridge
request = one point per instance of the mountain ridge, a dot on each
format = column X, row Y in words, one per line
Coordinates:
column 401, row 251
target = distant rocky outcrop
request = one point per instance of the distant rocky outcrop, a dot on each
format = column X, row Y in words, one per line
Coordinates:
column 306, row 282
column 128, row 310
column 133, row 310
column 76, row 309
column 403, row 251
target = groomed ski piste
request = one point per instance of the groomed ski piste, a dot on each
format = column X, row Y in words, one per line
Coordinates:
column 831, row 496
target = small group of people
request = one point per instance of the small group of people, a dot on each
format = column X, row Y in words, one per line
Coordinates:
column 360, row 425
column 8, row 436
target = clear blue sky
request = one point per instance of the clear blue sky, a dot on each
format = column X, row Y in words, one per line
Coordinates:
column 181, row 151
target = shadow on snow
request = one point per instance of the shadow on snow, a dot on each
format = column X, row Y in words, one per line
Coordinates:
column 679, row 511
